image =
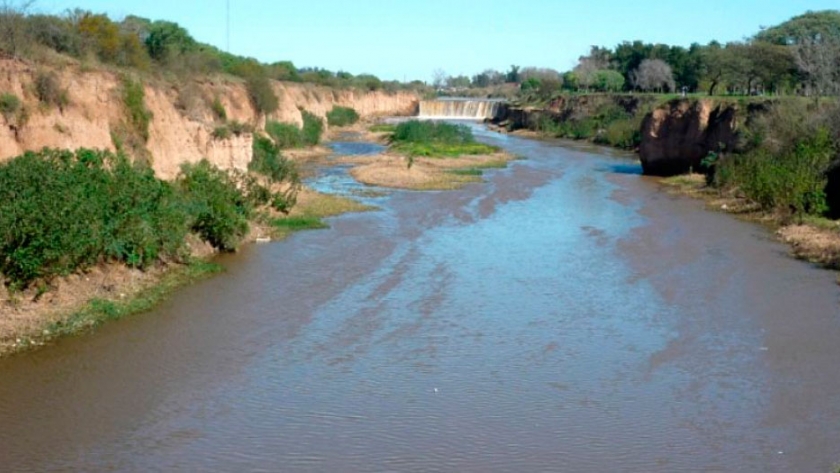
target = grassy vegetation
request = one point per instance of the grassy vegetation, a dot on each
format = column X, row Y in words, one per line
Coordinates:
column 383, row 128
column 63, row 211
column 342, row 116
column 49, row 91
column 313, row 129
column 218, row 109
column 297, row 223
column 99, row 311
column 783, row 165
column 287, row 135
column 10, row 106
column 467, row 172
column 416, row 138
column 138, row 117
column 310, row 213
column 262, row 96
column 608, row 123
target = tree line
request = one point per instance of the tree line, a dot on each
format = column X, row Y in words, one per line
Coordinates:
column 149, row 46
column 798, row 57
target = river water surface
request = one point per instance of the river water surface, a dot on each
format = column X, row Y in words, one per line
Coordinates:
column 565, row 316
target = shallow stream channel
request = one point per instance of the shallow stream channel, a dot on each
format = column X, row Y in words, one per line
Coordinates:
column 566, row 315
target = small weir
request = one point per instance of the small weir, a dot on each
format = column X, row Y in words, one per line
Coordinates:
column 460, row 108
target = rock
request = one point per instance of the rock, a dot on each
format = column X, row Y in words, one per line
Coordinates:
column 678, row 136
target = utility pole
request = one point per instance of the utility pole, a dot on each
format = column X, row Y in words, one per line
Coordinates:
column 228, row 26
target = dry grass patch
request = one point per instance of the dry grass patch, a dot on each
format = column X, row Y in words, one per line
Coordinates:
column 425, row 173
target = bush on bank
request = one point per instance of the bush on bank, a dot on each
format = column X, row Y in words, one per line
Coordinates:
column 342, row 116
column 287, row 135
column 63, row 211
column 787, row 153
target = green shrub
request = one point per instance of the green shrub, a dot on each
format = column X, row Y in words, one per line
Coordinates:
column 62, row 211
column 416, row 131
column 137, row 115
column 239, row 128
column 624, row 133
column 218, row 109
column 269, row 162
column 285, row 135
column 436, row 139
column 791, row 181
column 218, row 211
column 312, row 129
column 9, row 106
column 342, row 116
column 261, row 94
column 49, row 91
column 222, row 132
column 383, row 128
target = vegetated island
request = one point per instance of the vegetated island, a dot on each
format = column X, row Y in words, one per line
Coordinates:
column 426, row 155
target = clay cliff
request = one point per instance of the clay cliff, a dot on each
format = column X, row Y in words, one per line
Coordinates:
column 182, row 124
column 677, row 137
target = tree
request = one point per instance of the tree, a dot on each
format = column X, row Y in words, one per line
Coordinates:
column 13, row 26
column 608, row 81
column 513, row 75
column 772, row 64
column 654, row 74
column 101, row 35
column 571, row 81
column 55, row 33
column 819, row 62
column 458, row 82
column 599, row 59
column 166, row 39
column 439, row 78
column 811, row 25
column 487, row 78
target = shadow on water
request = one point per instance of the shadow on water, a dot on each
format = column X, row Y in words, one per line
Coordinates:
column 631, row 169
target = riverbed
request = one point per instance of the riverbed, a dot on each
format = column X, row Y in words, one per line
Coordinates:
column 566, row 315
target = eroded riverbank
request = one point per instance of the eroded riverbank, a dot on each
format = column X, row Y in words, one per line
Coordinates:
column 567, row 315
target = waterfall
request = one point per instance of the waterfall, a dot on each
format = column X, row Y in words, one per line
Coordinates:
column 459, row 109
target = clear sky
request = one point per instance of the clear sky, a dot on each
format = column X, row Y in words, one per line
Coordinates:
column 397, row 39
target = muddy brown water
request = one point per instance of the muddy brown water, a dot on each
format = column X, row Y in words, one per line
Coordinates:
column 566, row 316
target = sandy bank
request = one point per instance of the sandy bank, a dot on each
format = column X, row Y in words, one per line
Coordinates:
column 392, row 171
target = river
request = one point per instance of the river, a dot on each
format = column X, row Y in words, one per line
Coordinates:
column 565, row 316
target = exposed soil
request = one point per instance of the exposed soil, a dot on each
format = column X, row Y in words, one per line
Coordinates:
column 25, row 315
column 393, row 171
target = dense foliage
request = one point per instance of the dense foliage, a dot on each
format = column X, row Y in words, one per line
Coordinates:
column 63, row 211
column 313, row 128
column 342, row 116
column 287, row 135
column 787, row 153
column 436, row 139
column 798, row 57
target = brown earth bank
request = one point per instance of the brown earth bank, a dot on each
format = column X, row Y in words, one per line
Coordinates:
column 674, row 135
column 180, row 131
column 811, row 239
column 182, row 124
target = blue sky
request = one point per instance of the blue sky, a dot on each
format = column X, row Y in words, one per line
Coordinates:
column 399, row 39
